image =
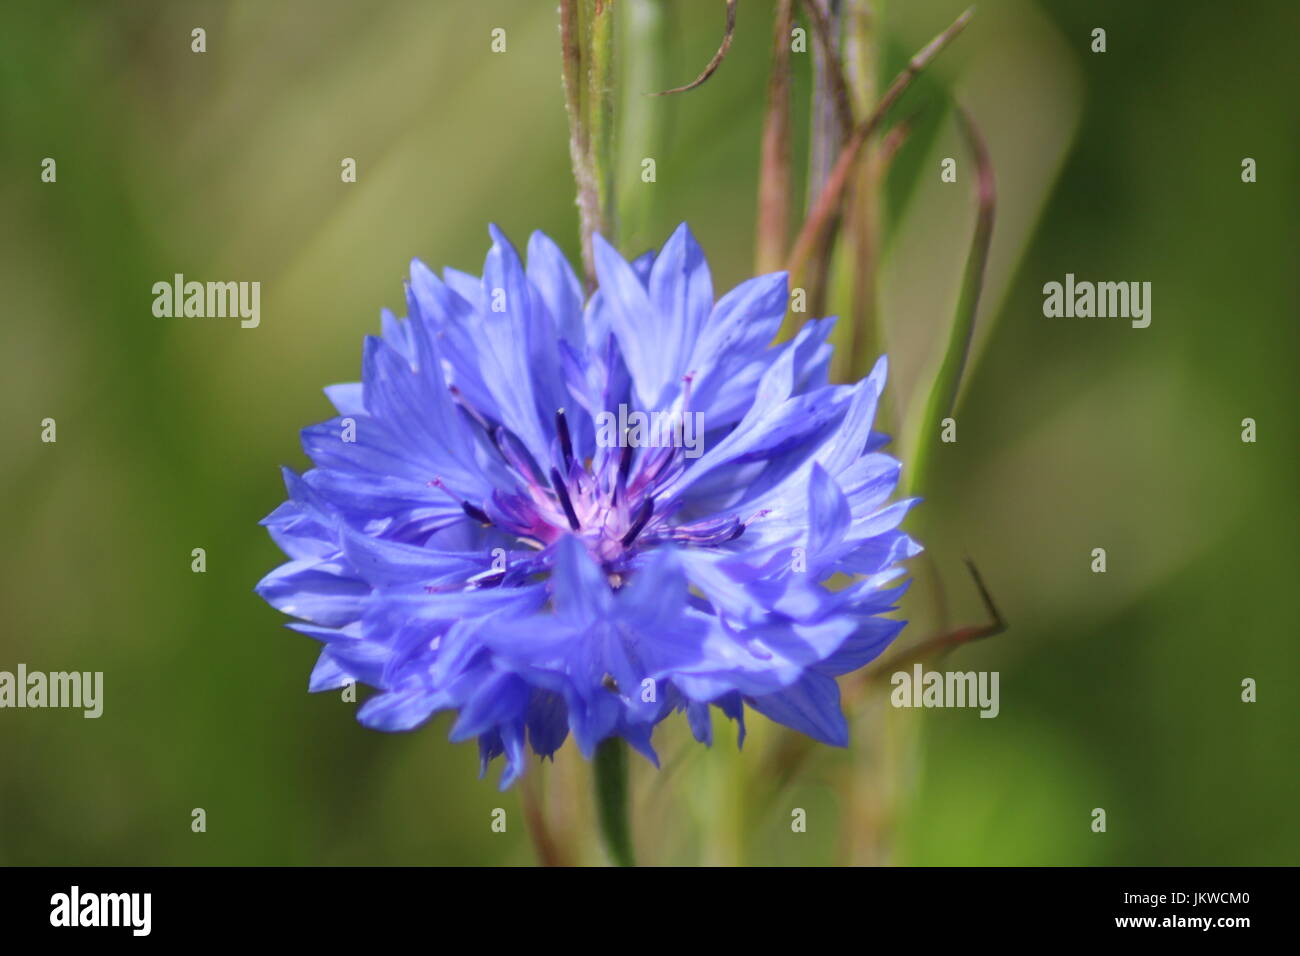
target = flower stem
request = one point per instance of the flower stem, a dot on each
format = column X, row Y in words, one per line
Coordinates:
column 609, row 770
column 825, row 210
column 832, row 121
column 645, row 38
column 600, row 107
column 774, row 181
column 586, row 42
column 862, row 217
column 947, row 384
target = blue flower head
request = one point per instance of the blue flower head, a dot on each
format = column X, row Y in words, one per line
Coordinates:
column 555, row 517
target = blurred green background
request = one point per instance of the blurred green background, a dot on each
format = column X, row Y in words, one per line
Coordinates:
column 1119, row 691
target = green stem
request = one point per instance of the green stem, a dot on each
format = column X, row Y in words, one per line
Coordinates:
column 943, row 394
column 643, row 57
column 588, row 201
column 817, row 234
column 609, row 770
column 862, row 226
column 831, row 123
column 824, row 211
column 774, row 179
column 600, row 107
column 587, row 45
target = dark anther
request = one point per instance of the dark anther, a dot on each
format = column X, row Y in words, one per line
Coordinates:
column 642, row 516
column 475, row 512
column 566, row 441
column 625, row 460
column 563, row 494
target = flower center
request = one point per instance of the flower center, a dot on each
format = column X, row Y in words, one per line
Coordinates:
column 609, row 503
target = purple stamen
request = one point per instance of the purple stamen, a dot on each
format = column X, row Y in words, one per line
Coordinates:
column 566, row 441
column 624, row 461
column 642, row 516
column 475, row 512
column 562, row 493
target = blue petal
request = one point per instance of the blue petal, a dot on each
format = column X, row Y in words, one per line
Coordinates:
column 504, row 349
column 383, row 562
column 681, row 295
column 632, row 319
column 416, row 405
column 318, row 591
column 581, row 593
column 701, row 723
column 548, row 722
column 347, row 398
column 828, row 512
column 811, row 706
column 500, row 698
column 561, row 293
column 398, row 710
